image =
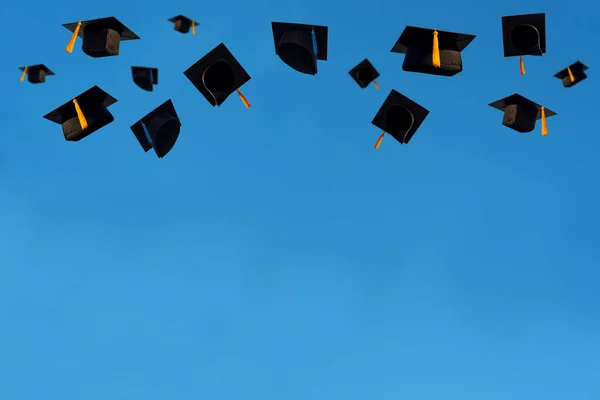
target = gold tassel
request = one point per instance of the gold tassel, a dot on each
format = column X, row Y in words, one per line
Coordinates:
column 544, row 127
column 571, row 76
column 73, row 38
column 435, row 55
column 521, row 65
column 376, row 85
column 80, row 116
column 243, row 99
column 378, row 143
column 23, row 74
column 193, row 28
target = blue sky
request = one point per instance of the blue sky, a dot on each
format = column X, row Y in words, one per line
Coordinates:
column 274, row 254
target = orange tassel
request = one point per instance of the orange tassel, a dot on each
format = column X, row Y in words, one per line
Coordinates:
column 73, row 38
column 80, row 116
column 243, row 99
column 571, row 76
column 544, row 126
column 193, row 28
column 376, row 85
column 23, row 74
column 435, row 54
column 378, row 143
column 521, row 65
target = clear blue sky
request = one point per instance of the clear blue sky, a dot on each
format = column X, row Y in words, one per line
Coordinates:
column 274, row 254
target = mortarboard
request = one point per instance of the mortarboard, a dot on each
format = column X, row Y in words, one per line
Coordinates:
column 35, row 73
column 524, row 35
column 429, row 51
column 300, row 45
column 400, row 117
column 573, row 74
column 217, row 75
column 101, row 37
column 183, row 24
column 520, row 114
column 145, row 77
column 159, row 129
column 364, row 73
column 83, row 115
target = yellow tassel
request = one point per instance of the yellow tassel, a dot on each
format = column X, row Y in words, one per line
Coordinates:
column 80, row 116
column 193, row 28
column 73, row 38
column 378, row 143
column 521, row 65
column 435, row 54
column 243, row 99
column 571, row 76
column 376, row 85
column 23, row 74
column 544, row 127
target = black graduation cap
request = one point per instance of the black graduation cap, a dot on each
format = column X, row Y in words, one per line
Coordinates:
column 300, row 45
column 159, row 129
column 145, row 77
column 573, row 74
column 524, row 35
column 364, row 73
column 217, row 75
column 433, row 52
column 400, row 117
column 101, row 37
column 183, row 24
column 84, row 115
column 35, row 73
column 521, row 113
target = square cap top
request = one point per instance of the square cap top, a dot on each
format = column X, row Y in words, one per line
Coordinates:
column 524, row 35
column 321, row 35
column 37, row 67
column 400, row 117
column 413, row 36
column 146, row 72
column 91, row 97
column 576, row 68
column 364, row 73
column 110, row 23
column 517, row 99
column 138, row 130
column 182, row 18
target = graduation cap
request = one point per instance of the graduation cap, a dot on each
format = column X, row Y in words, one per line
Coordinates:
column 524, row 35
column 573, row 74
column 35, row 73
column 365, row 73
column 433, row 52
column 300, row 45
column 101, row 37
column 183, row 24
column 520, row 114
column 159, row 129
column 145, row 77
column 400, row 117
column 217, row 75
column 83, row 115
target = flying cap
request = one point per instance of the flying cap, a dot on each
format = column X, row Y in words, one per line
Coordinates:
column 433, row 52
column 524, row 35
column 300, row 45
column 520, row 113
column 101, row 37
column 183, row 24
column 573, row 74
column 83, row 115
column 400, row 117
column 35, row 73
column 145, row 77
column 159, row 129
column 365, row 73
column 217, row 75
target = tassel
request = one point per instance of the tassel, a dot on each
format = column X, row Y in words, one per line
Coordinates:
column 73, row 38
column 571, row 76
column 80, row 116
column 23, row 74
column 378, row 143
column 544, row 127
column 435, row 54
column 376, row 85
column 193, row 28
column 521, row 65
column 243, row 99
